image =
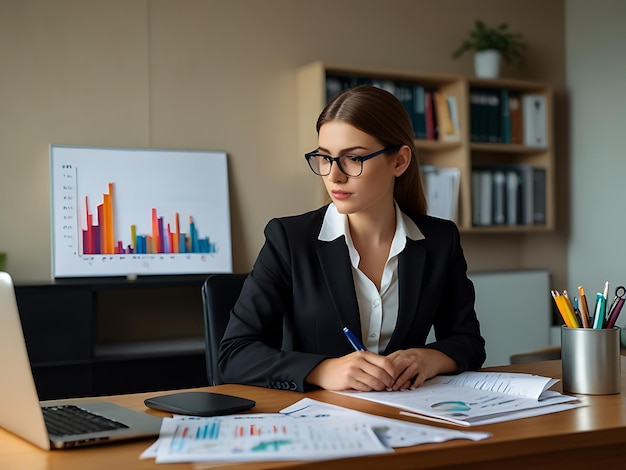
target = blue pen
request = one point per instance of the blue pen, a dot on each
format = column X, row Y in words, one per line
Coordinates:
column 354, row 341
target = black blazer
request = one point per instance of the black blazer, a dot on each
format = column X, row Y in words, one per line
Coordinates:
column 300, row 294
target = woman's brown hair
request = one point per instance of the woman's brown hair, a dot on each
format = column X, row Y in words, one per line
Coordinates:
column 381, row 115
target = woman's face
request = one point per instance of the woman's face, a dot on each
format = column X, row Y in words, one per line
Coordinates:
column 372, row 191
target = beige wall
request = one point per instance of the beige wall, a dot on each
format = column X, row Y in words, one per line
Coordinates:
column 596, row 73
column 220, row 74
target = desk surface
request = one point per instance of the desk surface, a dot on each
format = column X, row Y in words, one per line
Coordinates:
column 594, row 433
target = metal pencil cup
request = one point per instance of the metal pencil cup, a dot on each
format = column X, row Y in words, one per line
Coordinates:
column 591, row 360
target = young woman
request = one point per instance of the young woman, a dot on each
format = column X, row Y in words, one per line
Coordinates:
column 371, row 261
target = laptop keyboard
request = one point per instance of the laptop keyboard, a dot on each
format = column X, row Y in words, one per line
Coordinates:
column 67, row 420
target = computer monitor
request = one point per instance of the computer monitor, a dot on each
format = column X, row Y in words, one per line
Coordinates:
column 138, row 212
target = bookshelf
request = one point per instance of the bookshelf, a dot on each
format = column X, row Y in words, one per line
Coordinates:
column 464, row 152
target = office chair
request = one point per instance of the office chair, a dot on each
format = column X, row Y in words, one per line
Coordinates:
column 219, row 294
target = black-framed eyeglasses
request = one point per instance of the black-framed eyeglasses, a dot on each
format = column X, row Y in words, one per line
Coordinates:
column 350, row 165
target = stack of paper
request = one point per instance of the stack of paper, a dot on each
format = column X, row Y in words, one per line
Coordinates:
column 393, row 432
column 305, row 430
column 474, row 398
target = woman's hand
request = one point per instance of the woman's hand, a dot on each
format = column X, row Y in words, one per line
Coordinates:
column 362, row 370
column 414, row 366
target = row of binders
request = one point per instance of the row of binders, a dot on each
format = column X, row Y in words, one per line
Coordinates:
column 507, row 117
column 578, row 315
column 434, row 114
column 508, row 195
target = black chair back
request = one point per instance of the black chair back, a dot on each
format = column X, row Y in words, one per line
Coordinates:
column 219, row 294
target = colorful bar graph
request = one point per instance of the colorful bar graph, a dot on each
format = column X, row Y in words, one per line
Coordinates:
column 99, row 238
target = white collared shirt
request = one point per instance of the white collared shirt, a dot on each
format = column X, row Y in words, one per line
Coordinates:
column 378, row 309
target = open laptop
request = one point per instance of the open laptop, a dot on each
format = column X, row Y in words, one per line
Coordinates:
column 21, row 412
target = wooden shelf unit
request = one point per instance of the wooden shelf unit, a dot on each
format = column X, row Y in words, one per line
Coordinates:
column 462, row 154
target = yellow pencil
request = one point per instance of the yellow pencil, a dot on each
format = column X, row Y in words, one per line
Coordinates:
column 570, row 310
column 560, row 305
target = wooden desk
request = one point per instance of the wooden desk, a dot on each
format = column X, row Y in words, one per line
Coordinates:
column 593, row 434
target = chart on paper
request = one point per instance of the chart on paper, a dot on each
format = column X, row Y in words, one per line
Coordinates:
column 263, row 437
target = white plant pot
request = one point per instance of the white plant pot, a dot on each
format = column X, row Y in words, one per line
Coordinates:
column 487, row 63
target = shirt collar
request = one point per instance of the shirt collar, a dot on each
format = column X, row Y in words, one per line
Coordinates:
column 336, row 225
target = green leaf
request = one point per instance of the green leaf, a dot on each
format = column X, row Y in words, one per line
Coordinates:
column 509, row 44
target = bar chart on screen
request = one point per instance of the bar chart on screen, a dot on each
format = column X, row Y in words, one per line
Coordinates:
column 119, row 211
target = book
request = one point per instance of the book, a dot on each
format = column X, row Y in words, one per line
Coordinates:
column 454, row 117
column 404, row 93
column 479, row 115
column 492, row 111
column 447, row 114
column 515, row 113
column 505, row 118
column 444, row 119
column 475, row 115
column 474, row 398
column 419, row 111
column 534, row 113
column 430, row 116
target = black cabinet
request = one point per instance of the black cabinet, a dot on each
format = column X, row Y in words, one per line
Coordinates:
column 112, row 336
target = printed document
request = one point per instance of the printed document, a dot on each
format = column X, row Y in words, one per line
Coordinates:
column 306, row 430
column 393, row 432
column 474, row 398
column 262, row 437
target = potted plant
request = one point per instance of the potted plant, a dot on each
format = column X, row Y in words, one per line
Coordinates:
column 489, row 46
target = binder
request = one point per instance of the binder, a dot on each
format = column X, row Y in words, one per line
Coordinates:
column 527, row 178
column 442, row 191
column 534, row 114
column 539, row 195
column 475, row 197
column 508, row 194
column 481, row 196
column 513, row 201
column 499, row 197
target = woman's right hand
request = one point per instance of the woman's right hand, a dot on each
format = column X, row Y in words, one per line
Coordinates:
column 363, row 371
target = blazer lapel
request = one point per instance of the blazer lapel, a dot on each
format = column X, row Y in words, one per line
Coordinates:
column 410, row 276
column 337, row 271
